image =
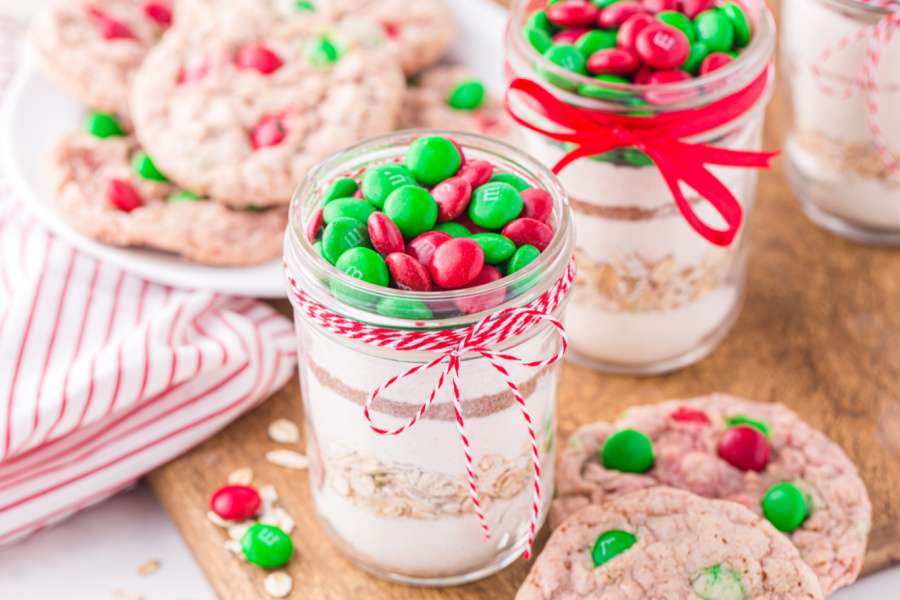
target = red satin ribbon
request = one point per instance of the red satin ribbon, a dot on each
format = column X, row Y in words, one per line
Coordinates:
column 595, row 132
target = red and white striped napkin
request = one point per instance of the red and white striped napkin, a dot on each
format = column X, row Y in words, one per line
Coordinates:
column 104, row 376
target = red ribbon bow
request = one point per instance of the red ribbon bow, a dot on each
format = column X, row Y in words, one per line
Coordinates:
column 594, row 132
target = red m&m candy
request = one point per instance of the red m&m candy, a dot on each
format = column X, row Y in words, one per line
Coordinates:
column 632, row 27
column 235, row 502
column 615, row 15
column 714, row 61
column 408, row 273
column 537, row 204
column 744, row 448
column 613, row 61
column 422, row 246
column 476, row 172
column 111, row 29
column 314, row 224
column 384, row 234
column 685, row 414
column 656, row 6
column 452, row 197
column 257, row 57
column 692, row 8
column 487, row 300
column 158, row 12
column 123, row 196
column 572, row 13
column 662, row 46
column 529, row 231
column 456, row 263
column 268, row 132
column 569, row 36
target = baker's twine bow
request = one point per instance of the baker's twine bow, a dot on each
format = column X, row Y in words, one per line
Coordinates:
column 593, row 132
column 877, row 38
column 449, row 347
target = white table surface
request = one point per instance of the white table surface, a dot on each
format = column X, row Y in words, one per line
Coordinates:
column 99, row 550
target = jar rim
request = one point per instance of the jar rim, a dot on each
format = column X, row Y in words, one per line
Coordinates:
column 538, row 276
column 862, row 6
column 750, row 64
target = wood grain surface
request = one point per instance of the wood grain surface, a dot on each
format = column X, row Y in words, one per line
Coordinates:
column 820, row 332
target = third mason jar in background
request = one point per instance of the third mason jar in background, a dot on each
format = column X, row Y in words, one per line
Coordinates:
column 844, row 135
column 652, row 294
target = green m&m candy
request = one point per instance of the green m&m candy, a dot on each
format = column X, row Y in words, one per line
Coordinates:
column 604, row 3
column 318, row 248
column 598, row 39
column 742, row 29
column 714, row 29
column 103, row 125
column 512, row 179
column 404, row 308
column 344, row 187
column 741, row 420
column 679, row 21
column 305, row 6
column 364, row 264
column 610, row 544
column 539, row 20
column 467, row 95
column 454, row 229
column 347, row 208
column 495, row 204
column 524, row 256
column 629, row 451
column 267, row 546
column 497, row 248
column 144, row 167
column 718, row 583
column 182, row 196
column 785, row 507
column 341, row 235
column 322, row 52
column 379, row 182
column 605, row 93
column 699, row 51
column 412, row 209
column 433, row 159
column 540, row 40
column 567, row 57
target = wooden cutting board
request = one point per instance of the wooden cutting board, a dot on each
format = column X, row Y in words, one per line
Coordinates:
column 820, row 332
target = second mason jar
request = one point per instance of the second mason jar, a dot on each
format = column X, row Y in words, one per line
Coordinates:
column 400, row 505
column 652, row 294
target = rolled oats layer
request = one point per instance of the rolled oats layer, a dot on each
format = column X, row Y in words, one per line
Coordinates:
column 92, row 48
column 636, row 284
column 199, row 230
column 862, row 160
column 686, row 437
column 241, row 113
column 427, row 104
column 667, row 544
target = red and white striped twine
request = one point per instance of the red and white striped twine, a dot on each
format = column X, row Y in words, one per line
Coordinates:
column 877, row 37
column 450, row 346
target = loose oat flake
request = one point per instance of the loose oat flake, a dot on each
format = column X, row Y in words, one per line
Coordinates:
column 268, row 493
column 242, row 476
column 288, row 459
column 148, row 567
column 217, row 520
column 284, row 431
column 278, row 584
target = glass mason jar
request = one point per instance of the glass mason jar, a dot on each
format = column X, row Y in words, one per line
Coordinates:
column 842, row 180
column 652, row 294
column 399, row 505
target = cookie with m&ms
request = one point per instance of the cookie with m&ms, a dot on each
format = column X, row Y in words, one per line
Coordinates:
column 452, row 97
column 92, row 48
column 666, row 543
column 760, row 455
column 240, row 113
column 109, row 189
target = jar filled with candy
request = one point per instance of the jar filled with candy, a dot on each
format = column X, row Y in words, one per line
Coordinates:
column 651, row 112
column 428, row 271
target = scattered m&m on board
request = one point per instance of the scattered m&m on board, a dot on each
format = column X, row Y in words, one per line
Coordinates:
column 433, row 220
column 639, row 41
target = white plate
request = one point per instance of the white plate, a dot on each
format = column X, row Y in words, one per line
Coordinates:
column 37, row 114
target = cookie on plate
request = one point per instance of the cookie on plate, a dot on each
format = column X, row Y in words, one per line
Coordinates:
column 241, row 113
column 667, row 544
column 451, row 97
column 760, row 455
column 109, row 190
column 92, row 48
column 418, row 32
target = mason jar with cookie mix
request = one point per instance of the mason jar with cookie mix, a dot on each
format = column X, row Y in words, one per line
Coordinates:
column 651, row 113
column 430, row 415
column 840, row 59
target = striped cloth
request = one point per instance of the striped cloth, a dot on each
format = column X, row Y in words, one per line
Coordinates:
column 105, row 376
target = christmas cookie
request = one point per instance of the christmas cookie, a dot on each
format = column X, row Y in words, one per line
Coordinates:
column 92, row 48
column 110, row 190
column 418, row 32
column 668, row 544
column 759, row 455
column 451, row 97
column 241, row 113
